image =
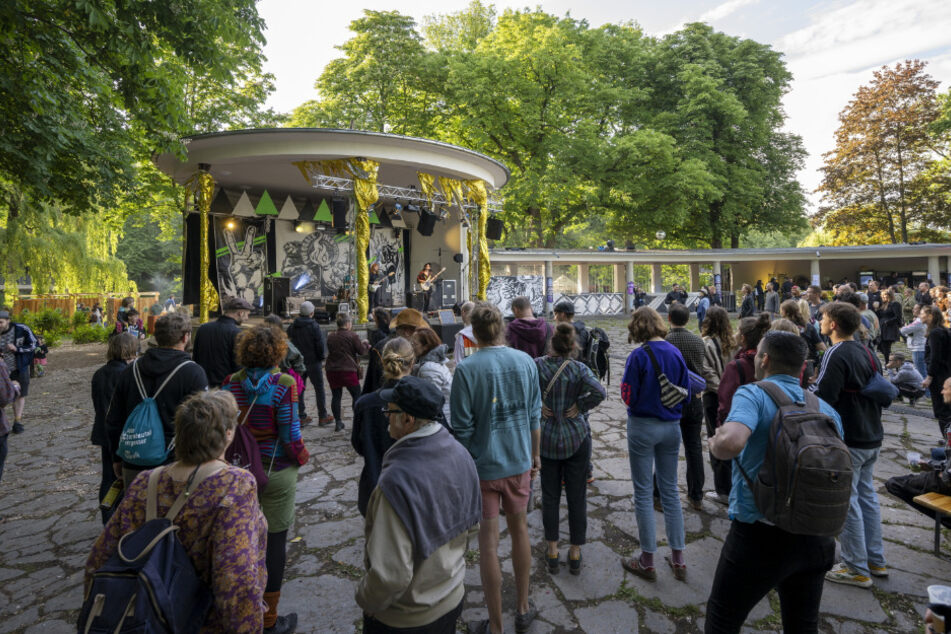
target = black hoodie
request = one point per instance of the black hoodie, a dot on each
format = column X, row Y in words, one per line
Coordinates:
column 154, row 366
column 306, row 334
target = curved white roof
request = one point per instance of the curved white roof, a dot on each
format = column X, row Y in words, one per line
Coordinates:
column 263, row 159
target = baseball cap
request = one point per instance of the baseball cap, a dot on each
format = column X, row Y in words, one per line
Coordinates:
column 567, row 308
column 4, row 314
column 416, row 397
column 235, row 303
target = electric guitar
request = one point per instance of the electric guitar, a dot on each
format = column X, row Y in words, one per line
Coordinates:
column 428, row 284
column 375, row 286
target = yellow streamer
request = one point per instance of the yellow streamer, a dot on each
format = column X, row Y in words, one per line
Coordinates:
column 204, row 188
column 477, row 193
column 427, row 186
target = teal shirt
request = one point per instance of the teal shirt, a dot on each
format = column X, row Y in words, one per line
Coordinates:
column 496, row 404
column 753, row 407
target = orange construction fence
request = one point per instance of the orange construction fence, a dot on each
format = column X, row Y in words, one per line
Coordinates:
column 67, row 303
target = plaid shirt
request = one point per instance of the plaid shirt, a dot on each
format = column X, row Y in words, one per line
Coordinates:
column 576, row 385
column 690, row 346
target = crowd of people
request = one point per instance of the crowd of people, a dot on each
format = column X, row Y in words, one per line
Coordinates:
column 511, row 405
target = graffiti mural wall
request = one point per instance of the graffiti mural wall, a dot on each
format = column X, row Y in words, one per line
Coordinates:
column 595, row 303
column 504, row 288
column 386, row 247
column 318, row 263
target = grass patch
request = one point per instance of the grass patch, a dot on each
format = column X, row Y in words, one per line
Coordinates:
column 632, row 596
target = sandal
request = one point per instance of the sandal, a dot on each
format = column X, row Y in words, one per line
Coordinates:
column 634, row 567
column 680, row 570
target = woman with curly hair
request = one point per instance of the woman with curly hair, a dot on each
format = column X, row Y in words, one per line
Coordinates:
column 718, row 348
column 790, row 310
column 268, row 402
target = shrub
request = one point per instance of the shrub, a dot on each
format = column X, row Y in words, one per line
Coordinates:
column 90, row 333
column 80, row 318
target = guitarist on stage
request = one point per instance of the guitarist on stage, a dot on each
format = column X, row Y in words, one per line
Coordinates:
column 424, row 277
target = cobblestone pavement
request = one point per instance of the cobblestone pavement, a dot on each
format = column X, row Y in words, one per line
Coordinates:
column 48, row 520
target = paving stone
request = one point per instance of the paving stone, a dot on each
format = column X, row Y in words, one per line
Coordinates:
column 551, row 608
column 9, row 573
column 658, row 623
column 614, row 488
column 851, row 602
column 600, row 577
column 23, row 619
column 310, row 487
column 323, row 604
column 610, row 617
column 351, row 555
column 702, row 558
column 51, row 627
column 331, row 533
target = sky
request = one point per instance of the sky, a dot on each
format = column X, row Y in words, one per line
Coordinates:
column 831, row 46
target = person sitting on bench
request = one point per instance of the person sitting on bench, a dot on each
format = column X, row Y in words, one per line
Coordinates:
column 938, row 480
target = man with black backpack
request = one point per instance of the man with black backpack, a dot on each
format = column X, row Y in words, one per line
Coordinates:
column 768, row 545
column 847, row 369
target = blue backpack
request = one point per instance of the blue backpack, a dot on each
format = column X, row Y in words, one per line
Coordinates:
column 149, row 585
column 142, row 442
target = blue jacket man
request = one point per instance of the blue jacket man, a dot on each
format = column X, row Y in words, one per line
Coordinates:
column 758, row 556
column 17, row 343
column 702, row 306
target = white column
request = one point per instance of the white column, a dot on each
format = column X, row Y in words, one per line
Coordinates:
column 934, row 269
column 694, row 276
column 815, row 277
column 511, row 269
column 657, row 279
column 583, row 283
column 547, row 287
column 718, row 270
column 619, row 278
column 629, row 302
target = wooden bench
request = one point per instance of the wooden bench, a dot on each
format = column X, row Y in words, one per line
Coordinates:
column 941, row 505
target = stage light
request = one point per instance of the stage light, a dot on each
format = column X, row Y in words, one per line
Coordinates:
column 301, row 281
column 230, row 225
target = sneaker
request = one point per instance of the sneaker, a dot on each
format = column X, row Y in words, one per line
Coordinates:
column 634, row 567
column 283, row 625
column 553, row 563
column 878, row 571
column 719, row 498
column 590, row 478
column 841, row 573
column 305, row 421
column 17, row 427
column 339, row 426
column 696, row 505
column 478, row 627
column 524, row 621
column 679, row 570
column 325, row 420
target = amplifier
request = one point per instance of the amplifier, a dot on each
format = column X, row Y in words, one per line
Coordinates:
column 276, row 290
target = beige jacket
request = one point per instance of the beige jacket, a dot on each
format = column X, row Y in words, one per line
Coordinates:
column 397, row 590
column 713, row 364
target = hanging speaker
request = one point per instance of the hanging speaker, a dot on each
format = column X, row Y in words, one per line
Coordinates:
column 340, row 207
column 493, row 229
column 427, row 222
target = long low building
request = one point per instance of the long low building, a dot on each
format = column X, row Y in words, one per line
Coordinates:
column 731, row 268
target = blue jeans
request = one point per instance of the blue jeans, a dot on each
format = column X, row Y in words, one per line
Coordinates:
column 918, row 359
column 655, row 444
column 861, row 537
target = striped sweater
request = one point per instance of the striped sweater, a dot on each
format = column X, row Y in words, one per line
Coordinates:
column 273, row 420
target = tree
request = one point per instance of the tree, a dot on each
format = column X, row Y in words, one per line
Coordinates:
column 461, row 31
column 720, row 98
column 88, row 87
column 378, row 84
column 878, row 180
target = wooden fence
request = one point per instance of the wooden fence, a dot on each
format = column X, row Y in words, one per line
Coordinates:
column 67, row 303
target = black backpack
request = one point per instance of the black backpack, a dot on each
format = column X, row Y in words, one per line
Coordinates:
column 805, row 482
column 595, row 353
column 149, row 585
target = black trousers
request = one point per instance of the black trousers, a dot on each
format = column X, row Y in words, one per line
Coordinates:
column 722, row 469
column 941, row 410
column 907, row 487
column 757, row 558
column 106, row 480
column 315, row 372
column 336, row 400
column 691, row 424
column 573, row 471
column 3, row 452
column 446, row 624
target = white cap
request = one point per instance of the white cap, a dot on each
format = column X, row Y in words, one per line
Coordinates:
column 306, row 309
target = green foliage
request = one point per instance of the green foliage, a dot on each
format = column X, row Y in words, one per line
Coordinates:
column 87, row 87
column 50, row 323
column 152, row 253
column 79, row 318
column 90, row 333
column 608, row 132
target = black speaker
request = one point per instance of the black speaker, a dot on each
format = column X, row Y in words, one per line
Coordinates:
column 276, row 290
column 416, row 300
column 427, row 222
column 340, row 207
column 493, row 229
column 448, row 296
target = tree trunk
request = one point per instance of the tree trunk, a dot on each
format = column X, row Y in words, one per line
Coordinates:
column 881, row 196
column 716, row 236
column 536, row 215
column 903, row 215
column 734, row 240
